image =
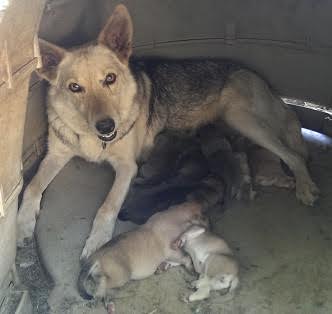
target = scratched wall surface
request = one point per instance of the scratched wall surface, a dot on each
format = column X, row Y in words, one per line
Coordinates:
column 287, row 41
column 18, row 58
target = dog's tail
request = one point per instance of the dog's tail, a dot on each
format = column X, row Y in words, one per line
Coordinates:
column 86, row 283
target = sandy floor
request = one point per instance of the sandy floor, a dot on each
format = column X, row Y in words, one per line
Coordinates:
column 284, row 250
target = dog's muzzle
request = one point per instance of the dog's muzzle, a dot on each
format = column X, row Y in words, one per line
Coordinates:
column 106, row 129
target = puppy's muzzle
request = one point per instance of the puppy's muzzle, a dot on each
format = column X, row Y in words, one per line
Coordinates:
column 106, row 129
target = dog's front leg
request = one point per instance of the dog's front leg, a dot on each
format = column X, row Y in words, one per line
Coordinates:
column 53, row 162
column 104, row 221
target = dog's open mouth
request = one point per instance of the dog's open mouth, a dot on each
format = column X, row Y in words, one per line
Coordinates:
column 108, row 137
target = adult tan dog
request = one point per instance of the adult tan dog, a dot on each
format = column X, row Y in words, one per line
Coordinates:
column 105, row 105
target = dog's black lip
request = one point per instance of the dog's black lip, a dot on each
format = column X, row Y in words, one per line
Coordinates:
column 108, row 139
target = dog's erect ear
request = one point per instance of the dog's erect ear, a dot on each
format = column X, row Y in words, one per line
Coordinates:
column 51, row 56
column 118, row 33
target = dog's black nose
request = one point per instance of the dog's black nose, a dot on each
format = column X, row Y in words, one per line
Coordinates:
column 105, row 126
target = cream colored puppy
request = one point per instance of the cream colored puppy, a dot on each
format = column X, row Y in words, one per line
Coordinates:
column 213, row 261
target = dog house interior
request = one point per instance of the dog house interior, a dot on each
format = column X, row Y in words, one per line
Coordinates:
column 283, row 247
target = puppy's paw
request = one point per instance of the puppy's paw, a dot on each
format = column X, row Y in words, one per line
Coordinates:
column 307, row 192
column 199, row 295
column 164, row 266
column 193, row 284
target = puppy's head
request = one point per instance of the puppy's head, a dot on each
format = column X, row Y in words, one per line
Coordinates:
column 93, row 83
column 223, row 271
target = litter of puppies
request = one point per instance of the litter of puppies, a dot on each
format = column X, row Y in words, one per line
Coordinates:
column 156, row 245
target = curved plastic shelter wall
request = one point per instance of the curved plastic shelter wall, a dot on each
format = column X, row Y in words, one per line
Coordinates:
column 18, row 54
column 287, row 41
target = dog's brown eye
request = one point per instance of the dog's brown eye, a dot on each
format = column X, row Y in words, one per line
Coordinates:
column 110, row 79
column 75, row 88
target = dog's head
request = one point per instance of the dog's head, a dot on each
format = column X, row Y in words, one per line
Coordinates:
column 93, row 83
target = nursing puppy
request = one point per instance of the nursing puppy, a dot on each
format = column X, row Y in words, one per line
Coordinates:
column 212, row 259
column 137, row 254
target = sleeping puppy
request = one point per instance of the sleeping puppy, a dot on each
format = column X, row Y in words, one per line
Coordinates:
column 137, row 254
column 213, row 260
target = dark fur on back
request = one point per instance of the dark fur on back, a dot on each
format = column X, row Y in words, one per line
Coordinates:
column 178, row 86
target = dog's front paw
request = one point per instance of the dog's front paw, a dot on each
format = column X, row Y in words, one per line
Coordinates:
column 194, row 284
column 26, row 220
column 164, row 266
column 184, row 298
column 100, row 234
column 94, row 242
column 177, row 244
column 307, row 192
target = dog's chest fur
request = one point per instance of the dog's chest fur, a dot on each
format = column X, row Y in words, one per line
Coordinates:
column 92, row 149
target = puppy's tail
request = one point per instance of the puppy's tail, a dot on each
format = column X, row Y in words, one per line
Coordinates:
column 86, row 284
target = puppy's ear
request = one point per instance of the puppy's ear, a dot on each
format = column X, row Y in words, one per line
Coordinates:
column 51, row 56
column 117, row 34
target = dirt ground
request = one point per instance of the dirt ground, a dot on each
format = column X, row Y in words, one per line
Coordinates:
column 283, row 247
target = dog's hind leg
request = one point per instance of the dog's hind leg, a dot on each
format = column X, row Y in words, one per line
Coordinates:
column 293, row 136
column 56, row 158
column 259, row 131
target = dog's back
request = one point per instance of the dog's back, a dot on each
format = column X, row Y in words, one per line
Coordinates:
column 209, row 243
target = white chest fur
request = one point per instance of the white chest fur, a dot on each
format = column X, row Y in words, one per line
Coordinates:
column 91, row 148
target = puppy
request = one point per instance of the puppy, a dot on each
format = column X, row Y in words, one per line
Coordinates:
column 213, row 260
column 137, row 254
